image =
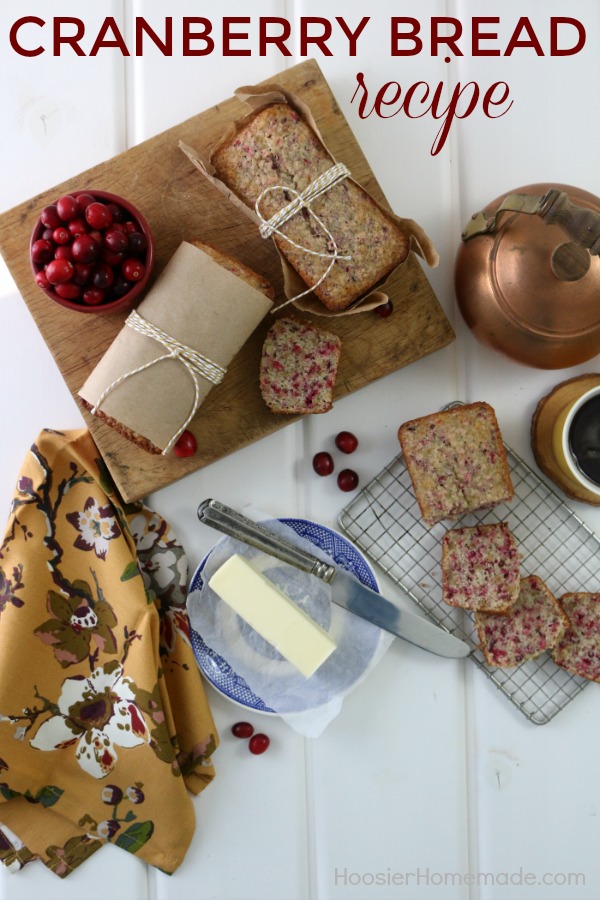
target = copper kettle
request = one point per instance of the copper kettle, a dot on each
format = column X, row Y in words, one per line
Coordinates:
column 528, row 275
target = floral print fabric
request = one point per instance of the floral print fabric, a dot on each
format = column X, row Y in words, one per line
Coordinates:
column 104, row 722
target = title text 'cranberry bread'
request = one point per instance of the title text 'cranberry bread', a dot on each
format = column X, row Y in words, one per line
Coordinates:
column 298, row 367
column 276, row 147
column 480, row 567
column 532, row 625
column 578, row 651
column 456, row 461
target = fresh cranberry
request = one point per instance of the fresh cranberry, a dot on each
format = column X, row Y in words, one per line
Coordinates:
column 346, row 442
column 93, row 296
column 116, row 212
column 77, row 227
column 118, row 226
column 186, row 445
column 103, row 277
column 323, row 463
column 64, row 252
column 133, row 270
column 49, row 217
column 137, row 243
column 68, row 291
column 67, row 208
column 258, row 743
column 46, row 234
column 242, row 730
column 98, row 215
column 115, row 260
column 41, row 279
column 97, row 236
column 347, row 480
column 116, row 241
column 85, row 249
column 41, row 252
column 61, row 235
column 84, row 200
column 385, row 309
column 82, row 273
column 58, row 271
column 130, row 226
column 121, row 286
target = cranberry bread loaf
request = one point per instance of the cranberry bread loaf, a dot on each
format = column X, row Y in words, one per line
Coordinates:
column 480, row 567
column 532, row 625
column 578, row 651
column 246, row 274
column 456, row 461
column 298, row 367
column 277, row 147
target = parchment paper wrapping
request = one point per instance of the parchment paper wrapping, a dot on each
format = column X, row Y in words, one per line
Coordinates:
column 199, row 303
column 256, row 97
column 308, row 705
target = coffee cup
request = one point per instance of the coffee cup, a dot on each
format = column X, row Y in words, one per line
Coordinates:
column 576, row 440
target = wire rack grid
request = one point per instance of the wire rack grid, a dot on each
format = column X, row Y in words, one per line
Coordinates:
column 384, row 520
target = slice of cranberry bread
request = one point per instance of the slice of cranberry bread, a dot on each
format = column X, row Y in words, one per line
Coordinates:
column 480, row 567
column 578, row 651
column 532, row 625
column 456, row 461
column 298, row 367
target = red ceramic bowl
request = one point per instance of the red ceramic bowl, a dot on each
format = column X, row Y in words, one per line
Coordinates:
column 112, row 302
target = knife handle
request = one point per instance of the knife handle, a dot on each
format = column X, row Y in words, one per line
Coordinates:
column 234, row 524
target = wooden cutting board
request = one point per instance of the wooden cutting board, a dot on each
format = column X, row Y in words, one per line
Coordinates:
column 181, row 205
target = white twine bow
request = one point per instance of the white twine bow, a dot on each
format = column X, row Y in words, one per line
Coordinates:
column 195, row 363
column 303, row 200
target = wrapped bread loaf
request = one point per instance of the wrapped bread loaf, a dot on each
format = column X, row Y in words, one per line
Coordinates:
column 276, row 147
column 177, row 345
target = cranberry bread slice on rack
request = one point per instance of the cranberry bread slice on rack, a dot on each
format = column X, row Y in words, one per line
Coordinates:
column 480, row 568
column 531, row 626
column 578, row 651
column 456, row 461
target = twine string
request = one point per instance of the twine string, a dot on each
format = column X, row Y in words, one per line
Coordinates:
column 194, row 362
column 303, row 200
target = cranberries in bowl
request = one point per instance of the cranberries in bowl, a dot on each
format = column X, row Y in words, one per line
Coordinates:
column 92, row 251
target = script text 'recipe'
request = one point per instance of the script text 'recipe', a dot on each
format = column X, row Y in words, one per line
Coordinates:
column 247, row 36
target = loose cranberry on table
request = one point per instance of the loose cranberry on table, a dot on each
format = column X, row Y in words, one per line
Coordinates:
column 384, row 310
column 258, row 743
column 242, row 730
column 347, row 480
column 346, row 442
column 186, row 445
column 323, row 463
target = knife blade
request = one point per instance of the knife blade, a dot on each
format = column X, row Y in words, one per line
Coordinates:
column 346, row 591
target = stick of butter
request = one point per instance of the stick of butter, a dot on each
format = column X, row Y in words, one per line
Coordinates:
column 273, row 615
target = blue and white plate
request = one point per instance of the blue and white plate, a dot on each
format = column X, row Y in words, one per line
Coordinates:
column 221, row 672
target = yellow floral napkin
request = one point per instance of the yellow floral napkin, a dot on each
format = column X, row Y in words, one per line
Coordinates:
column 104, row 721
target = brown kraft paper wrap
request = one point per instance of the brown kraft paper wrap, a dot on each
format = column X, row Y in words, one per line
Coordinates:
column 257, row 97
column 200, row 304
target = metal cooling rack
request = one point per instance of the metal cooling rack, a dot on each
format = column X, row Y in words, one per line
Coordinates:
column 384, row 520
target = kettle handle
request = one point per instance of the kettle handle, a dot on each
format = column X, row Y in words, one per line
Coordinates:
column 581, row 223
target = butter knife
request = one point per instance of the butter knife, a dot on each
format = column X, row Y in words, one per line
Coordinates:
column 346, row 590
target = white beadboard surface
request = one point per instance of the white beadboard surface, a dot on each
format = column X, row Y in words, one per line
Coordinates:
column 429, row 785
